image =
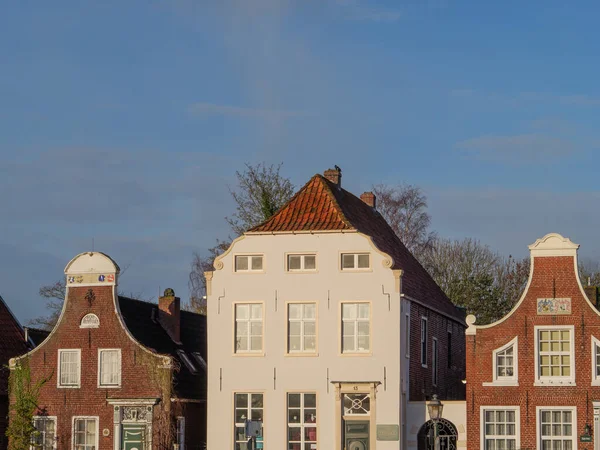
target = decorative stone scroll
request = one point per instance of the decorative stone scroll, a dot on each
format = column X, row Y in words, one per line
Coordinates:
column 90, row 321
column 552, row 306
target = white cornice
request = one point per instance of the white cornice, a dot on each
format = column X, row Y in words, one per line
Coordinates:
column 553, row 244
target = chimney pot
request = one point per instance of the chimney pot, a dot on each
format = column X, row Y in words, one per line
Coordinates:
column 369, row 198
column 169, row 314
column 334, row 175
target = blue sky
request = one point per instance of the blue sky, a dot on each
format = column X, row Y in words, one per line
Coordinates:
column 124, row 122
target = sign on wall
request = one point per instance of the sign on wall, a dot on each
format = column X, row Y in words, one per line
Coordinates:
column 90, row 321
column 550, row 306
column 388, row 432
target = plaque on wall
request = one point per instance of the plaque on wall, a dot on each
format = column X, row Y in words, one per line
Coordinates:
column 90, row 321
column 551, row 306
column 388, row 433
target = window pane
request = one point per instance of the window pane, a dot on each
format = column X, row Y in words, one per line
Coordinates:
column 349, row 311
column 363, row 328
column 295, row 310
column 256, row 328
column 310, row 262
column 310, row 311
column 257, row 400
column 241, row 263
column 309, row 329
column 242, row 312
column 257, row 263
column 310, row 400
column 294, row 262
column 256, row 343
column 256, row 311
column 295, row 328
column 363, row 310
column 241, row 400
column 241, row 329
column 363, row 261
column 347, row 261
column 348, row 343
column 348, row 329
column 295, row 343
column 309, row 343
column 363, row 342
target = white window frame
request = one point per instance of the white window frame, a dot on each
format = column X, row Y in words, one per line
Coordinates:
column 538, row 428
column 434, row 361
column 54, row 440
column 482, row 422
column 356, row 321
column 506, row 380
column 355, row 268
column 180, row 437
column 302, row 320
column 100, row 384
column 58, row 378
column 554, row 380
column 249, row 351
column 249, row 409
column 302, row 425
column 249, row 256
column 74, row 419
column 595, row 365
column 302, row 262
column 424, row 340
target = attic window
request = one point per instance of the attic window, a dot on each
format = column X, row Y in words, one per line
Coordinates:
column 249, row 263
column 355, row 261
column 200, row 360
column 187, row 361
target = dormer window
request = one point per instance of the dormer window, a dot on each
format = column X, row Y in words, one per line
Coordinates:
column 249, row 263
column 356, row 261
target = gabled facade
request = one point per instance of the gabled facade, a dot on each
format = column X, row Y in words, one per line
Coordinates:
column 533, row 377
column 121, row 373
column 322, row 327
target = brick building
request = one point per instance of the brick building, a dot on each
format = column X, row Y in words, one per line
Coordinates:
column 121, row 373
column 533, row 377
column 324, row 327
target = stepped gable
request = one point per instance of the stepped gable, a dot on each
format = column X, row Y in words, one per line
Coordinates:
column 324, row 206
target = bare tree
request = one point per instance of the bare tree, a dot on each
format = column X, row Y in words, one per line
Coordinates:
column 404, row 207
column 261, row 191
column 589, row 271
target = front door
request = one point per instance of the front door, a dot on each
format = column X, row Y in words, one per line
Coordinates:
column 356, row 434
column 134, row 437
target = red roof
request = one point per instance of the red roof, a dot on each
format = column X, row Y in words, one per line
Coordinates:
column 12, row 343
column 324, row 206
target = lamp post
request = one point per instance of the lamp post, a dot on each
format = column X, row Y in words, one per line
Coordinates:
column 435, row 408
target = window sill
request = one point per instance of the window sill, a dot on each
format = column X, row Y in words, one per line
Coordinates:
column 554, row 383
column 302, row 354
column 109, row 387
column 356, row 354
column 60, row 386
column 257, row 354
column 501, row 383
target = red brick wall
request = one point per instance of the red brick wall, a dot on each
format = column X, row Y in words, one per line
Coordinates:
column 89, row 400
column 449, row 384
column 553, row 277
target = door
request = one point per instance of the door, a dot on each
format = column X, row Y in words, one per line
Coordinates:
column 356, row 434
column 134, row 437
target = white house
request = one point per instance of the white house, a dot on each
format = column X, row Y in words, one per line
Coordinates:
column 322, row 326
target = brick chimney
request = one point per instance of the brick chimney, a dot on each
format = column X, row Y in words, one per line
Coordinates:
column 369, row 198
column 334, row 175
column 169, row 314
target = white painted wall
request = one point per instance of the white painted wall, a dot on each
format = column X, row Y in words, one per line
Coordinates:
column 229, row 373
column 454, row 411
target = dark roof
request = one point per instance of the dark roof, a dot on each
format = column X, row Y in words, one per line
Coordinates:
column 12, row 343
column 37, row 335
column 141, row 319
column 324, row 206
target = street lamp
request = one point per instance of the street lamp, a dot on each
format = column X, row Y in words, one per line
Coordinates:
column 435, row 408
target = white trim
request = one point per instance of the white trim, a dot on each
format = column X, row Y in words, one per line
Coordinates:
column 263, row 268
column 595, row 346
column 435, row 361
column 355, row 268
column 53, row 418
column 550, row 380
column 484, row 408
column 59, row 369
column 99, row 374
column 133, row 401
column 181, row 432
column 302, row 256
column 538, row 421
column 407, row 336
column 74, row 418
column 506, row 380
column 424, row 319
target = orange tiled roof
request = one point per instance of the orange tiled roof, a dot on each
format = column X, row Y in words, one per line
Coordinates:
column 324, row 206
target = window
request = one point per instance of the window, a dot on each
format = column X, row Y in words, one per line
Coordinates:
column 248, row 328
column 499, row 427
column 434, row 363
column 249, row 263
column 424, row 341
column 407, row 335
column 302, row 327
column 85, row 433
column 181, row 433
column 356, row 327
column 357, row 404
column 248, row 409
column 109, row 369
column 302, row 421
column 301, row 263
column 555, row 428
column 595, row 361
column 555, row 354
column 44, row 436
column 355, row 261
column 69, row 368
column 449, row 356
